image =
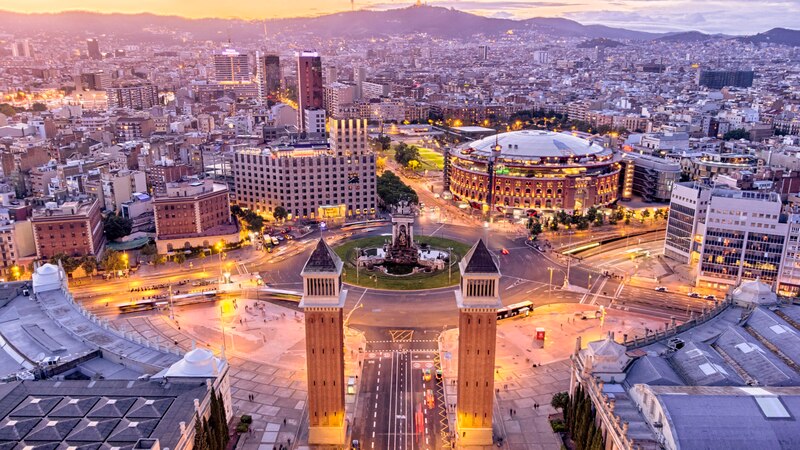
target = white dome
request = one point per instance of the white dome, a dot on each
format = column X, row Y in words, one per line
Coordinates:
column 199, row 362
column 535, row 144
column 607, row 355
column 47, row 278
column 754, row 293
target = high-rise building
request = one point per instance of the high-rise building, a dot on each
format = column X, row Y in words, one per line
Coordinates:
column 337, row 95
column 21, row 49
column 323, row 302
column 359, row 77
column 312, row 179
column 268, row 71
column 93, row 49
column 478, row 300
column 483, row 52
column 718, row 79
column 132, row 94
column 232, row 67
column 728, row 235
column 309, row 83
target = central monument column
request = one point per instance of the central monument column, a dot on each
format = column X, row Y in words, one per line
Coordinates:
column 478, row 300
column 323, row 300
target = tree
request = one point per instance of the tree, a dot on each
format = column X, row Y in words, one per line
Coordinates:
column 112, row 261
column 391, row 189
column 645, row 214
column 413, row 164
column 39, row 107
column 89, row 264
column 149, row 249
column 735, row 135
column 200, row 434
column 591, row 214
column 116, row 227
column 7, row 110
column 380, row 163
column 280, row 213
column 69, row 263
column 180, row 258
column 404, row 153
column 560, row 400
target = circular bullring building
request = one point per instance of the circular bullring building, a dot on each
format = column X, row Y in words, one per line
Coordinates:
column 534, row 170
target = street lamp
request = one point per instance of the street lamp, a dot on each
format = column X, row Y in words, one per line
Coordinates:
column 449, row 265
column 358, row 253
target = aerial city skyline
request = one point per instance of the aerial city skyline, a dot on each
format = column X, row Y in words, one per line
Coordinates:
column 424, row 226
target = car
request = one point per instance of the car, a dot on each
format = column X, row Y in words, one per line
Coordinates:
column 693, row 295
column 439, row 374
column 426, row 374
column 710, row 297
column 355, row 445
column 661, row 289
column 429, row 398
column 504, row 251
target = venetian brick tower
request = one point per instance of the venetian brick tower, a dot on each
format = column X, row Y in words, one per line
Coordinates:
column 478, row 300
column 323, row 300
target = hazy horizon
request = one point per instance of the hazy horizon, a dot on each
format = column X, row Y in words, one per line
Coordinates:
column 711, row 16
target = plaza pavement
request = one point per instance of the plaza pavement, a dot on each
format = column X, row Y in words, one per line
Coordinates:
column 266, row 353
column 519, row 384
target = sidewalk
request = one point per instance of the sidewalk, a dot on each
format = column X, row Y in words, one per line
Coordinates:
column 266, row 353
column 519, row 384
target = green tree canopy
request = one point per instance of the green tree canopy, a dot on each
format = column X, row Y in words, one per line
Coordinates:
column 735, row 135
column 116, row 227
column 391, row 189
column 404, row 153
column 280, row 213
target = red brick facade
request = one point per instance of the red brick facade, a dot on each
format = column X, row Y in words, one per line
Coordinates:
column 75, row 234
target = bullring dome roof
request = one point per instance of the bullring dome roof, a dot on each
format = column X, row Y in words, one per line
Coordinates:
column 199, row 362
column 530, row 144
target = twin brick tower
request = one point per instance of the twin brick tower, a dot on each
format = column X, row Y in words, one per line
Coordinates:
column 323, row 300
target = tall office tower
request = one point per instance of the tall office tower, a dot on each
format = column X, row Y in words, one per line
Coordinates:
column 268, row 72
column 599, row 54
column 478, row 300
column 483, row 52
column 359, row 77
column 93, row 49
column 309, row 84
column 21, row 49
column 331, row 74
column 232, row 67
column 323, row 300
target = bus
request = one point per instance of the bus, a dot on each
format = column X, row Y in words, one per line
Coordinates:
column 280, row 294
column 147, row 305
column 637, row 253
column 514, row 310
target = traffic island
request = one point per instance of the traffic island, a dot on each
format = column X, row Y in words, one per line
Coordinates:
column 372, row 276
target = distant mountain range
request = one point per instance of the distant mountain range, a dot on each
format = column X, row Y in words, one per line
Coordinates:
column 420, row 20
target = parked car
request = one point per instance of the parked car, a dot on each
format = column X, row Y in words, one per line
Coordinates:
column 661, row 289
column 710, row 297
column 693, row 295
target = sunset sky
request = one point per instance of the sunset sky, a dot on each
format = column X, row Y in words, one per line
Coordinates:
column 714, row 16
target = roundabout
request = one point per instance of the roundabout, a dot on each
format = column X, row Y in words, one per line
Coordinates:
column 421, row 279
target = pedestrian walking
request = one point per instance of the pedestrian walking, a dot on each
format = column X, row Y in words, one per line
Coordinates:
column 284, row 422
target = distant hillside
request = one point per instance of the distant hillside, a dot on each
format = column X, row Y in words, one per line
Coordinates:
column 782, row 36
column 689, row 36
column 421, row 20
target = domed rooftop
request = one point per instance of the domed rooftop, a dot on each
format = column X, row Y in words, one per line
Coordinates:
column 199, row 362
column 46, row 277
column 534, row 144
column 754, row 293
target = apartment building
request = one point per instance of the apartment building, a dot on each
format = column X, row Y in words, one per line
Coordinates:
column 327, row 180
column 74, row 228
